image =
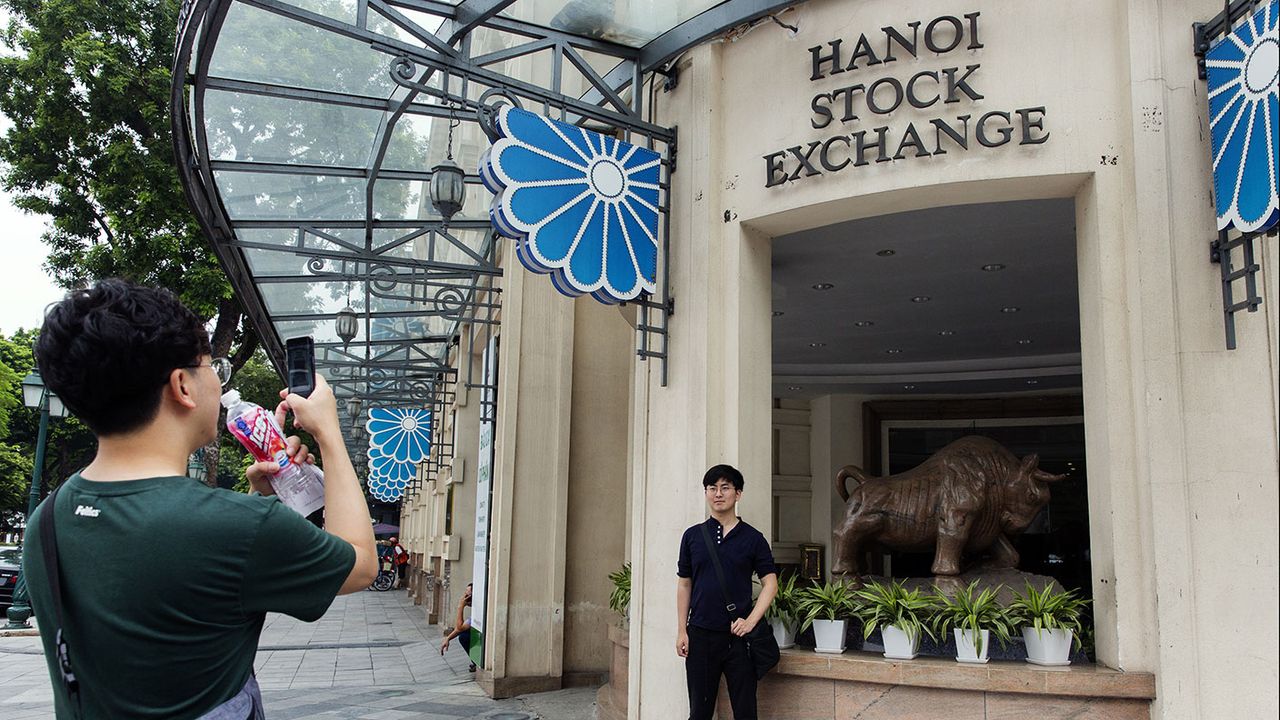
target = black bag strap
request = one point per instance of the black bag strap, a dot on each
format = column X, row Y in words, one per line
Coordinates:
column 49, row 550
column 715, row 562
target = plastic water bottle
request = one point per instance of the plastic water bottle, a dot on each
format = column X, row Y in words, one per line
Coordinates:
column 301, row 487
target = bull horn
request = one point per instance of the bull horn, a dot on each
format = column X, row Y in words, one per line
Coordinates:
column 1030, row 462
column 842, row 479
column 1043, row 476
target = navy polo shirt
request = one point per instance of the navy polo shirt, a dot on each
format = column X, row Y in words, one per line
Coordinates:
column 743, row 552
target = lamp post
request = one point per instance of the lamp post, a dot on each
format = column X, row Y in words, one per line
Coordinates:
column 196, row 469
column 34, row 395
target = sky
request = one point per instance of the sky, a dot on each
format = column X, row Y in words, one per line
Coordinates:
column 25, row 288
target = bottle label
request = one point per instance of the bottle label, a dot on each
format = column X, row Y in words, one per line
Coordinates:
column 257, row 431
column 298, row 486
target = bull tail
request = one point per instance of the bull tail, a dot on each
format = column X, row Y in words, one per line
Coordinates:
column 842, row 480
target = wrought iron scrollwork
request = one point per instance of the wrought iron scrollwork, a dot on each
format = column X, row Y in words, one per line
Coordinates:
column 490, row 102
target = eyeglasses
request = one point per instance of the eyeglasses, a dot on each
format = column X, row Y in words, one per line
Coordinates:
column 221, row 367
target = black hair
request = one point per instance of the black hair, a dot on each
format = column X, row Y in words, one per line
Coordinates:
column 108, row 351
column 726, row 472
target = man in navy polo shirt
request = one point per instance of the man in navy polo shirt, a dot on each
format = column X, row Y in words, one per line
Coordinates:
column 711, row 640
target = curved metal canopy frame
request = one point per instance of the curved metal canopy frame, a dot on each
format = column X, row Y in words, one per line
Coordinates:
column 304, row 131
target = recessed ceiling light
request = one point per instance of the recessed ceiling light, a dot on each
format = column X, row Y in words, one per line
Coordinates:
column 1033, row 382
column 823, row 286
column 1010, row 309
column 892, row 351
column 993, row 267
column 1024, row 342
column 817, row 345
column 921, row 299
column 794, row 387
column 777, row 313
column 863, row 323
column 908, row 387
column 886, row 252
column 946, row 333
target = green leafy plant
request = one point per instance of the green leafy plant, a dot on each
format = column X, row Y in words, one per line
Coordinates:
column 620, row 598
column 833, row 600
column 881, row 605
column 974, row 611
column 1048, row 609
column 786, row 604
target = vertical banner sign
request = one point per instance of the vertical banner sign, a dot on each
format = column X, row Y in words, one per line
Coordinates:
column 484, row 496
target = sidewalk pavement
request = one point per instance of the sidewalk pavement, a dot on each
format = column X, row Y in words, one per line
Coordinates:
column 373, row 655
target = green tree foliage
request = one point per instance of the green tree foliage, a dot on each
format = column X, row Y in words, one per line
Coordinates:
column 86, row 85
column 69, row 447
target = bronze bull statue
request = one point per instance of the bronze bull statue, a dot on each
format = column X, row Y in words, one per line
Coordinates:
column 969, row 497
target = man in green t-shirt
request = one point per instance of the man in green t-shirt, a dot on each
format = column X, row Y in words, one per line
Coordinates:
column 165, row 581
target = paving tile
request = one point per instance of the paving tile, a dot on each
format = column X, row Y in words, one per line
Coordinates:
column 353, row 680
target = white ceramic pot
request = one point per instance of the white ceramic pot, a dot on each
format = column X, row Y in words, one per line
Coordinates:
column 828, row 636
column 966, row 652
column 784, row 633
column 899, row 645
column 1048, row 647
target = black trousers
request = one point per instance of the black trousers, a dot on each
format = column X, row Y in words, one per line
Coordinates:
column 713, row 653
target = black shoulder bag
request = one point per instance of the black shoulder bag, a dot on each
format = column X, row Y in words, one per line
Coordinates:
column 762, row 646
column 49, row 550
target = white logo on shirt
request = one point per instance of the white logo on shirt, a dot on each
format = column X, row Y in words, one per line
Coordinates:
column 87, row 510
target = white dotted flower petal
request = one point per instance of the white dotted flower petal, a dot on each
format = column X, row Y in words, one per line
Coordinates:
column 1243, row 72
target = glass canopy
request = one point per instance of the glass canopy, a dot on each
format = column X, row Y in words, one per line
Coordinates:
column 306, row 132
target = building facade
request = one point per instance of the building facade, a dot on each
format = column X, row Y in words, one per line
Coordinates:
column 889, row 224
column 1082, row 124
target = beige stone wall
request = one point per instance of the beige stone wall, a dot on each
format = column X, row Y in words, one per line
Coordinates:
column 792, row 491
column 603, row 348
column 1181, row 433
column 837, row 441
column 525, row 628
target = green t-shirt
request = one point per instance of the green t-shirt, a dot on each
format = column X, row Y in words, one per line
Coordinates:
column 165, row 585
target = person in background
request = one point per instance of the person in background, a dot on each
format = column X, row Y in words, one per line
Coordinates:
column 401, row 557
column 173, row 634
column 461, row 627
column 712, row 642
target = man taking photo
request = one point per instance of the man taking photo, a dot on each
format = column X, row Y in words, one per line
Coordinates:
column 170, row 630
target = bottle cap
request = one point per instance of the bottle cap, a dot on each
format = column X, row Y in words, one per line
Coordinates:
column 229, row 398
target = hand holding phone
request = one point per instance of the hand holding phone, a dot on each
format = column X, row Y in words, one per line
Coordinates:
column 300, row 365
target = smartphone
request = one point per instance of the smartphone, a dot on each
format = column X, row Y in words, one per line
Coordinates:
column 300, row 364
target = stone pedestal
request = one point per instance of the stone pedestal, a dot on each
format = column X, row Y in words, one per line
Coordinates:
column 806, row 686
column 611, row 700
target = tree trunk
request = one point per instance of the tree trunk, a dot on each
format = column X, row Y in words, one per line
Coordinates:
column 224, row 332
column 211, row 452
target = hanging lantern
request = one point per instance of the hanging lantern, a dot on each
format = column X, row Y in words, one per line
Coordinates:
column 448, row 189
column 346, row 325
column 353, row 408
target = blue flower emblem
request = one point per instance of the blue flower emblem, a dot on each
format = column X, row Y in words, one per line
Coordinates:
column 388, row 478
column 399, row 439
column 1243, row 69
column 581, row 206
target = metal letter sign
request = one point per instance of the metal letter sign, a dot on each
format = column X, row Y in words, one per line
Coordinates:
column 399, row 439
column 1242, row 72
column 582, row 207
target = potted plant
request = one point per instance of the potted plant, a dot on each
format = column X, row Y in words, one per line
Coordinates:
column 1050, row 620
column 901, row 615
column 973, row 617
column 827, row 608
column 783, row 613
column 620, row 598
